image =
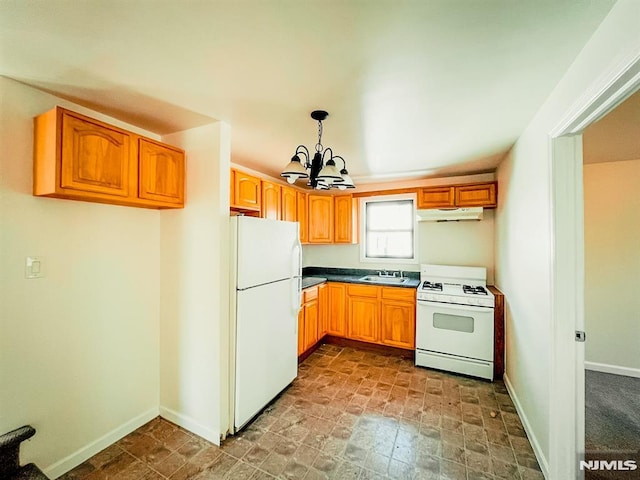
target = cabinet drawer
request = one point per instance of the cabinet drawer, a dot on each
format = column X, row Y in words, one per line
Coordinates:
column 401, row 294
column 309, row 294
column 362, row 291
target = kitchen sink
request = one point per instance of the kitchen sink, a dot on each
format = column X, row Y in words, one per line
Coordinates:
column 380, row 279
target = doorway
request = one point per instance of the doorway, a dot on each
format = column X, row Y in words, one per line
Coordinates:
column 611, row 169
column 567, row 406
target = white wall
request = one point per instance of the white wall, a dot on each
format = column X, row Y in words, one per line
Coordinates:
column 79, row 347
column 523, row 234
column 612, row 263
column 195, row 288
column 447, row 243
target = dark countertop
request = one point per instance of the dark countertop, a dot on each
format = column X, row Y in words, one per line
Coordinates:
column 312, row 276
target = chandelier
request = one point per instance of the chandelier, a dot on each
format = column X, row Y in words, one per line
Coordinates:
column 321, row 170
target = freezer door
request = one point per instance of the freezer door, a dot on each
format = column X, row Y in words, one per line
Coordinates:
column 268, row 250
column 266, row 346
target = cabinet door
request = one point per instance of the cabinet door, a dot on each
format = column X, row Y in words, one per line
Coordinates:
column 323, row 309
column 96, row 158
column 303, row 215
column 343, row 219
column 336, row 312
column 320, row 219
column 232, row 186
column 398, row 324
column 436, row 197
column 476, row 195
column 363, row 318
column 270, row 203
column 288, row 205
column 310, row 323
column 246, row 191
column 301, row 331
column 161, row 174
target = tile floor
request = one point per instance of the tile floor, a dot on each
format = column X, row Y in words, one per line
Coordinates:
column 350, row 414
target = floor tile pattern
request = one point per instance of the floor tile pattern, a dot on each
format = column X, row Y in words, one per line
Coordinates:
column 350, row 414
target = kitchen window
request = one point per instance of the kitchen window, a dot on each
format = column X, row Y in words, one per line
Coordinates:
column 388, row 228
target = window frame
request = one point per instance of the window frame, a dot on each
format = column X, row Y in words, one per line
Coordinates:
column 363, row 229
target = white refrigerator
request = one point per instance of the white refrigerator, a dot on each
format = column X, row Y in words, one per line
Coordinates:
column 266, row 285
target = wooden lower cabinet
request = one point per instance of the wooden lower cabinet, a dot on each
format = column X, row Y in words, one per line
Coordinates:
column 381, row 315
column 310, row 324
column 398, row 317
column 308, row 319
column 398, row 324
column 337, row 299
column 363, row 318
column 323, row 309
column 301, row 331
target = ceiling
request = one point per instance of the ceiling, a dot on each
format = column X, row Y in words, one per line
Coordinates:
column 616, row 136
column 414, row 88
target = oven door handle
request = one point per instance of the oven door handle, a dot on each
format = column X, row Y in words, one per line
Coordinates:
column 455, row 306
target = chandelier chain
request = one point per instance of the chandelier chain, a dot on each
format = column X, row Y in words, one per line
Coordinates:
column 319, row 144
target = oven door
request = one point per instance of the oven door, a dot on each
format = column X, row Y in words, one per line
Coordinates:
column 461, row 330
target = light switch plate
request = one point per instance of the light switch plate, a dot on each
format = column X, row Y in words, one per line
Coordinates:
column 33, row 267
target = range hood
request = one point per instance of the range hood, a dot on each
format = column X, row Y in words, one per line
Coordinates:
column 449, row 214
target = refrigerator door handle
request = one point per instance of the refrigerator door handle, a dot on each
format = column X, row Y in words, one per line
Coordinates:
column 296, row 297
column 296, row 259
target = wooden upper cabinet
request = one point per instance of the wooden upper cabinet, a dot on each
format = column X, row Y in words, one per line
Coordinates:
column 161, row 175
column 436, row 197
column 302, row 204
column 345, row 221
column 270, row 202
column 480, row 195
column 95, row 157
column 80, row 158
column 320, row 219
column 246, row 191
column 288, row 204
column 471, row 195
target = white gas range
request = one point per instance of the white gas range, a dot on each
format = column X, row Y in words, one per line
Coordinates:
column 455, row 320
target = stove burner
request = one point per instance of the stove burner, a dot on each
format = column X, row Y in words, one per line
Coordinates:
column 474, row 290
column 431, row 286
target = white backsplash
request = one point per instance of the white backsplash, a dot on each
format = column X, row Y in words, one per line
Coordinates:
column 468, row 243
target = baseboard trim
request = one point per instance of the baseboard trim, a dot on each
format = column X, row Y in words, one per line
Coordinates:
column 535, row 444
column 615, row 369
column 190, row 424
column 76, row 458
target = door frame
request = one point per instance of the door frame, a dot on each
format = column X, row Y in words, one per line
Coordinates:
column 566, row 417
